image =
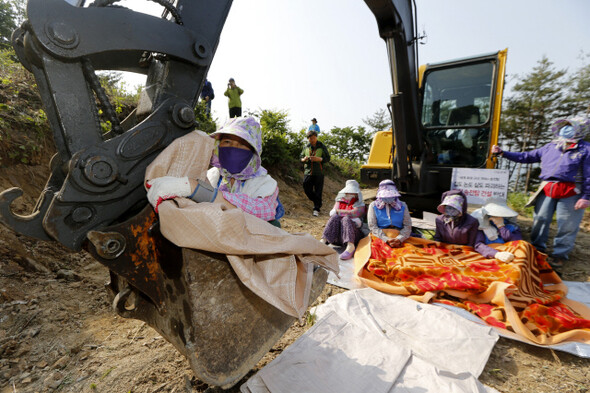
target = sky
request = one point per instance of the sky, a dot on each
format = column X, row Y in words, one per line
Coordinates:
column 325, row 59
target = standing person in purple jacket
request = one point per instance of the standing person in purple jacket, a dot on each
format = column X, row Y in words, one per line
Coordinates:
column 455, row 226
column 565, row 171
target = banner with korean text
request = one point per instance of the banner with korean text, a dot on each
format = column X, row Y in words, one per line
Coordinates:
column 480, row 184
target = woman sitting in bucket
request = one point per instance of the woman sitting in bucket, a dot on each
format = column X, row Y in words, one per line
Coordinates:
column 236, row 172
column 345, row 222
column 387, row 211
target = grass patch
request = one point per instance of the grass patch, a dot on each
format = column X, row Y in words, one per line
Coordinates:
column 517, row 200
column 107, row 373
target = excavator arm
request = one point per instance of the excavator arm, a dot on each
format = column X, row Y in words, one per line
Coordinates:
column 396, row 23
column 97, row 176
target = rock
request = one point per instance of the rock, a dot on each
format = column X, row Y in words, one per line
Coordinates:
column 61, row 362
column 67, row 275
column 34, row 332
column 32, row 265
column 53, row 381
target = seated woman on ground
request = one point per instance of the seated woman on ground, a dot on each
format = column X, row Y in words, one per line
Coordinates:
column 345, row 222
column 454, row 225
column 236, row 172
column 387, row 211
column 495, row 226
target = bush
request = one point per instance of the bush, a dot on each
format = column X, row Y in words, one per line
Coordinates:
column 24, row 132
column 203, row 120
column 517, row 200
column 350, row 169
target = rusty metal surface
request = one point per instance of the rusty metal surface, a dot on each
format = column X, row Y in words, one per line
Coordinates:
column 148, row 259
column 192, row 298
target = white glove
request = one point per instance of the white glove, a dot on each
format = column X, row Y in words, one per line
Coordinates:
column 167, row 187
column 504, row 256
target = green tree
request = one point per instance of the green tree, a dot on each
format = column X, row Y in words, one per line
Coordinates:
column 7, row 23
column 380, row 121
column 579, row 92
column 352, row 143
column 204, row 121
column 278, row 149
column 538, row 99
column 12, row 14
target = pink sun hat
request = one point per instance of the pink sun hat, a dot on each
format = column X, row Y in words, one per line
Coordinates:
column 387, row 189
column 455, row 201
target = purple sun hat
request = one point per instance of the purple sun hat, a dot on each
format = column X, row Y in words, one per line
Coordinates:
column 455, row 201
column 387, row 189
column 246, row 128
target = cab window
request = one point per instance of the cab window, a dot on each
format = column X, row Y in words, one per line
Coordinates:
column 455, row 113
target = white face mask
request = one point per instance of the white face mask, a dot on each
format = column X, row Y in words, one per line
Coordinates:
column 567, row 132
column 452, row 212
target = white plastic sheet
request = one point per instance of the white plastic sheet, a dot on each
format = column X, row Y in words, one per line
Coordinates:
column 578, row 291
column 368, row 341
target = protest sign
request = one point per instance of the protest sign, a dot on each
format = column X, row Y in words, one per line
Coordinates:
column 480, row 184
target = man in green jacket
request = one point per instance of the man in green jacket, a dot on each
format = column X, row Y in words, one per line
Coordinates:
column 314, row 156
column 235, row 103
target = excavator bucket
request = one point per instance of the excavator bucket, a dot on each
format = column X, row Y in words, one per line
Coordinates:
column 192, row 298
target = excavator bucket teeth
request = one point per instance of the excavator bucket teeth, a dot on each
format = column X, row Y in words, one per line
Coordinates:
column 195, row 300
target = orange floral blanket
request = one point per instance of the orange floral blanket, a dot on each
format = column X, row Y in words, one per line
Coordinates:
column 525, row 297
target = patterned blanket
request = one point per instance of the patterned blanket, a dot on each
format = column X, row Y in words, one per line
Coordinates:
column 524, row 297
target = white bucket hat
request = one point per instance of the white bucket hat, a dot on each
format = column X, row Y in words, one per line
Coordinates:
column 351, row 187
column 496, row 207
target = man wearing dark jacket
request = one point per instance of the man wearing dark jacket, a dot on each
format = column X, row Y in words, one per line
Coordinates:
column 314, row 156
column 207, row 95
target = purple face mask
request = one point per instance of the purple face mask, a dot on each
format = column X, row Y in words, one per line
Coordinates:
column 234, row 159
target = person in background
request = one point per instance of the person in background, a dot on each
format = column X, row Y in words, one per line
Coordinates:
column 565, row 190
column 454, row 225
column 387, row 211
column 496, row 225
column 345, row 221
column 314, row 126
column 314, row 156
column 236, row 174
column 207, row 95
column 233, row 92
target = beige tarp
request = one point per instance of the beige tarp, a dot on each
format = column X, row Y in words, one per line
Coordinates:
column 273, row 263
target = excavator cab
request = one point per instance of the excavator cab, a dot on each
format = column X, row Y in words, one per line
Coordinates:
column 457, row 114
column 444, row 115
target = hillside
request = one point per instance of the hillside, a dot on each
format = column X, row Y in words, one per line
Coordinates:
column 58, row 332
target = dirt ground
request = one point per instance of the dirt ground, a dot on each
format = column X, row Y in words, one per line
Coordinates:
column 59, row 334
